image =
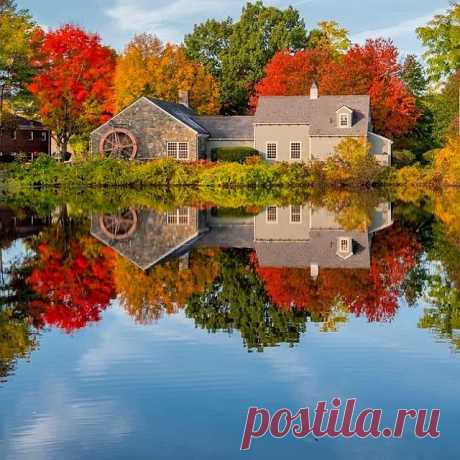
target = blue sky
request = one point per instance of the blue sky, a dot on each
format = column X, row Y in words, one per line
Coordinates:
column 118, row 20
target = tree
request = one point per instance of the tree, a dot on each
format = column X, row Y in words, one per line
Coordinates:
column 291, row 74
column 255, row 38
column 16, row 52
column 441, row 37
column 207, row 44
column 413, row 75
column 151, row 69
column 331, row 37
column 132, row 75
column 446, row 166
column 373, row 69
column 74, row 82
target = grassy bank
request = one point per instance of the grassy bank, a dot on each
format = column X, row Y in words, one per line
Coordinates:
column 166, row 172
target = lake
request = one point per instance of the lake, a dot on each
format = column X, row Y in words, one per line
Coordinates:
column 144, row 324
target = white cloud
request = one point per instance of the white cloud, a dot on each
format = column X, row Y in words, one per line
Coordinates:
column 167, row 20
column 394, row 31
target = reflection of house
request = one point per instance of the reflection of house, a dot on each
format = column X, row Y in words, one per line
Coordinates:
column 284, row 128
column 299, row 236
column 144, row 236
column 13, row 226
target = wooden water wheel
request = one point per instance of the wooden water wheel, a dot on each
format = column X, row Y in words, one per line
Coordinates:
column 119, row 226
column 119, row 143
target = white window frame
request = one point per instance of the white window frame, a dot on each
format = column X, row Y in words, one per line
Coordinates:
column 276, row 150
column 179, row 216
column 270, row 221
column 31, row 136
column 177, row 149
column 347, row 116
column 14, row 134
column 300, row 150
column 299, row 213
column 347, row 241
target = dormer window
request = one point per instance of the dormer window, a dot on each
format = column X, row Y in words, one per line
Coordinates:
column 344, row 120
column 344, row 117
column 344, row 247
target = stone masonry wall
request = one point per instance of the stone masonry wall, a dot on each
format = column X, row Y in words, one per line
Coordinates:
column 152, row 128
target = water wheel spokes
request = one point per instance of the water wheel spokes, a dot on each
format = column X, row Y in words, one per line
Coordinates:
column 119, row 226
column 119, row 143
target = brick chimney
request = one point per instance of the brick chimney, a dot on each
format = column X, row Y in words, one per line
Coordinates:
column 314, row 91
column 183, row 97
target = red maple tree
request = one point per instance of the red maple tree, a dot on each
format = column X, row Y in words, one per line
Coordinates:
column 74, row 81
column 370, row 69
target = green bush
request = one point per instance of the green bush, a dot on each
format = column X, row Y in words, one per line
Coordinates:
column 233, row 154
column 403, row 158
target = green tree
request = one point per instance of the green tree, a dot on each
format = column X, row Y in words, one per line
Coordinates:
column 16, row 30
column 207, row 44
column 329, row 36
column 237, row 53
column 237, row 301
column 441, row 37
column 413, row 75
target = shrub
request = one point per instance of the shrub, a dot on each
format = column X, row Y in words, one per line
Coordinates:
column 403, row 158
column 410, row 175
column 233, row 154
column 446, row 164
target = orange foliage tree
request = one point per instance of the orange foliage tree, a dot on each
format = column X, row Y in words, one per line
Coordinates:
column 149, row 68
column 71, row 289
column 73, row 85
column 166, row 287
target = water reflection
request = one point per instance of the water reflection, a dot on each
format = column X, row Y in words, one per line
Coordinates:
column 264, row 271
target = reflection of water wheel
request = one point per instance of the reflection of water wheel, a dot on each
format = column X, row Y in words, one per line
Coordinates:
column 119, row 226
column 119, row 143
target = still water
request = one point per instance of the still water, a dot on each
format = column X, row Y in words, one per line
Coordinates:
column 143, row 326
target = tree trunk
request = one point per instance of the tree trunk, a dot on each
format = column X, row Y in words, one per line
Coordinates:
column 63, row 150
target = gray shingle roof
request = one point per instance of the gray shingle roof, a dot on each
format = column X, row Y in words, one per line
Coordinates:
column 320, row 249
column 319, row 113
column 182, row 113
column 228, row 127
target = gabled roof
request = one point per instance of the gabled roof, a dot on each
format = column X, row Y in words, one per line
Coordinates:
column 181, row 113
column 319, row 113
column 228, row 127
column 320, row 249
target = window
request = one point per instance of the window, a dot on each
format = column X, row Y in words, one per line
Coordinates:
column 343, row 120
column 296, row 150
column 44, row 136
column 272, row 151
column 31, row 136
column 183, row 150
column 344, row 245
column 272, row 214
column 13, row 134
column 178, row 217
column 177, row 150
column 296, row 214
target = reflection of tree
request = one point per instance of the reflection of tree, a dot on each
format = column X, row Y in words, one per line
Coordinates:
column 17, row 340
column 167, row 286
column 237, row 301
column 73, row 287
column 372, row 293
column 444, row 314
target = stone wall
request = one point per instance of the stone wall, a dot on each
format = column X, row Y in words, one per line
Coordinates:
column 152, row 128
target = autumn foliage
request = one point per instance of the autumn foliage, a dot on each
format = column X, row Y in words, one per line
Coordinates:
column 371, row 293
column 149, row 68
column 73, row 85
column 72, row 290
column 370, row 69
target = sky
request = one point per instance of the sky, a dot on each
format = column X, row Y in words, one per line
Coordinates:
column 118, row 20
